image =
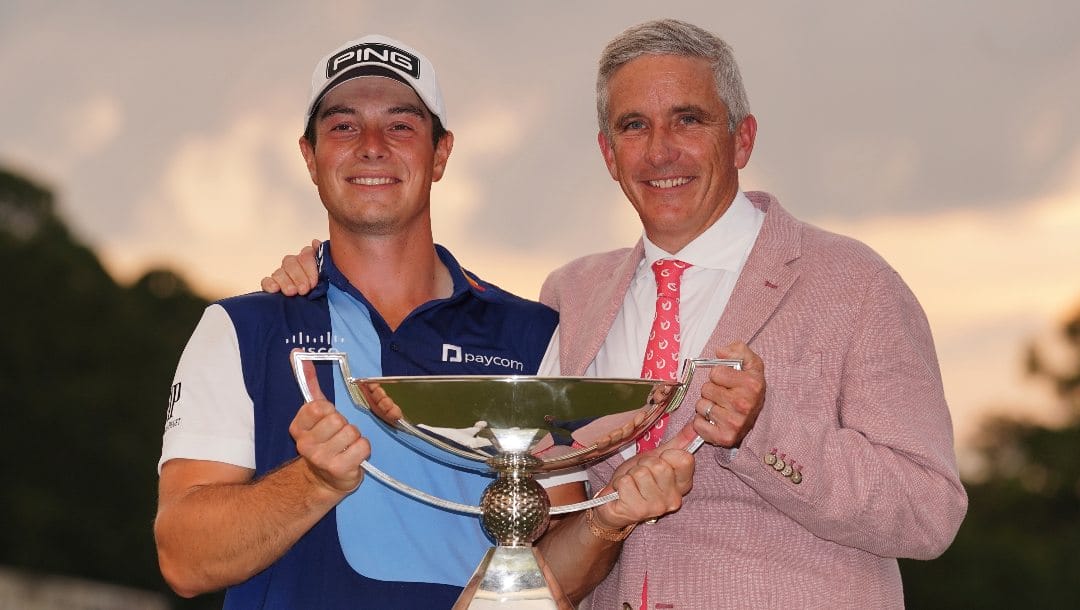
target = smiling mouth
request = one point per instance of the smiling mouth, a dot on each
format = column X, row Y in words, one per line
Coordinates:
column 668, row 183
column 380, row 181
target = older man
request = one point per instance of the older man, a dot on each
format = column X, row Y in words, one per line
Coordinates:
column 831, row 453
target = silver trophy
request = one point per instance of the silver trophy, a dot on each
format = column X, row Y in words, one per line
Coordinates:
column 516, row 426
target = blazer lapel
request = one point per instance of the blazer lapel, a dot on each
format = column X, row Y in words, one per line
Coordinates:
column 600, row 302
column 765, row 279
column 761, row 287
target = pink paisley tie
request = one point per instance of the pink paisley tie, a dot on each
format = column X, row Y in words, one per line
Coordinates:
column 662, row 351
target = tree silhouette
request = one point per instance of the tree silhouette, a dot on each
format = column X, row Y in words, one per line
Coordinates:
column 1017, row 547
column 84, row 379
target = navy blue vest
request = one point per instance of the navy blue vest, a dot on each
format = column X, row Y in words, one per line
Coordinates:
column 505, row 335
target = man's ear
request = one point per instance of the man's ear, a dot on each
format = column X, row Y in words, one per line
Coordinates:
column 745, row 134
column 442, row 154
column 308, row 151
column 608, row 150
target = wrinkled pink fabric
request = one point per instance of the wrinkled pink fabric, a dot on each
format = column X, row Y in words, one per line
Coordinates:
column 854, row 398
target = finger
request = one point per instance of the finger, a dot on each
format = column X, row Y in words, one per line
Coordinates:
column 741, row 351
column 373, row 392
column 357, row 451
column 629, row 493
column 653, row 476
column 681, row 439
column 682, row 465
column 316, row 422
column 288, row 288
column 722, row 377
column 308, row 265
column 312, row 380
column 656, row 484
column 706, row 427
column 268, row 284
column 293, row 266
column 723, row 431
column 381, row 404
column 620, row 482
column 709, row 410
column 337, row 460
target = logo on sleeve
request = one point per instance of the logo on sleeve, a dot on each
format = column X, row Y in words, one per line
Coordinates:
column 174, row 397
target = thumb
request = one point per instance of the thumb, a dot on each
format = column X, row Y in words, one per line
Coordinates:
column 312, row 380
column 681, row 439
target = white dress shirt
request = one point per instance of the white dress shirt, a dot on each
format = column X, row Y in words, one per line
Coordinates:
column 717, row 256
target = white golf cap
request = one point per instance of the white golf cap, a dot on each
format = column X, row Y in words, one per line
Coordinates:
column 376, row 55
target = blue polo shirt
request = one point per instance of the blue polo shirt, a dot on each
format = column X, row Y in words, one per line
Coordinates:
column 378, row 548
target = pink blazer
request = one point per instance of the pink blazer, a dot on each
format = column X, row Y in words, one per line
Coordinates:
column 854, row 398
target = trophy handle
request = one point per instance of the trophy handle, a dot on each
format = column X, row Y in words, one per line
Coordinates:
column 298, row 358
column 689, row 369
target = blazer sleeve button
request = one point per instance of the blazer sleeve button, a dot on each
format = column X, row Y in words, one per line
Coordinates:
column 779, row 465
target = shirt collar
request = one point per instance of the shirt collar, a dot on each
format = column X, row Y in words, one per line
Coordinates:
column 721, row 246
column 330, row 274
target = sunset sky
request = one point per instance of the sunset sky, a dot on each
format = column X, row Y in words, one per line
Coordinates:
column 943, row 134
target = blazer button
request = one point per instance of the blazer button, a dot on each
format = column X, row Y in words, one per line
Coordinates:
column 779, row 465
column 796, row 477
column 787, row 471
column 770, row 458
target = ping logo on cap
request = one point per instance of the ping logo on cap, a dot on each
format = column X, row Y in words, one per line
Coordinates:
column 374, row 53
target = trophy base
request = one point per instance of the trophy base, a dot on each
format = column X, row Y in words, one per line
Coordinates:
column 513, row 577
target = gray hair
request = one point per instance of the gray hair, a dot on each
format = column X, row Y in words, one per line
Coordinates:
column 673, row 37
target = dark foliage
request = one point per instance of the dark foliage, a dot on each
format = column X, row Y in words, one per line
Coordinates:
column 1017, row 547
column 84, row 377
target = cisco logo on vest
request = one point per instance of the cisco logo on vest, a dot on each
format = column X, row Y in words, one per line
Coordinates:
column 324, row 342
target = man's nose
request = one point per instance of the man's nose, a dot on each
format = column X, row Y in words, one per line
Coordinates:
column 660, row 149
column 371, row 145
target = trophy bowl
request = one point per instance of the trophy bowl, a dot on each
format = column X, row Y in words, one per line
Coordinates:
column 516, row 426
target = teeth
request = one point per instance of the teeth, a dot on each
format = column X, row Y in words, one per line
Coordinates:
column 668, row 183
column 371, row 181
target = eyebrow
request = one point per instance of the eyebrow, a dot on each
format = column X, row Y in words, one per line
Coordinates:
column 691, row 108
column 338, row 109
column 410, row 109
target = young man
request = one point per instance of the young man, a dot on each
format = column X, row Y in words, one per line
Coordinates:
column 266, row 497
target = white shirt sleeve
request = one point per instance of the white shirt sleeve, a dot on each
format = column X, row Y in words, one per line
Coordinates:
column 550, row 365
column 569, row 475
column 211, row 416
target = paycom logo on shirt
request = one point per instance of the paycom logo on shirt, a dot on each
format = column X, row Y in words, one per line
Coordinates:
column 454, row 353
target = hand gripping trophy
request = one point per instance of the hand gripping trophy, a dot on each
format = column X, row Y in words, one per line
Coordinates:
column 512, row 425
